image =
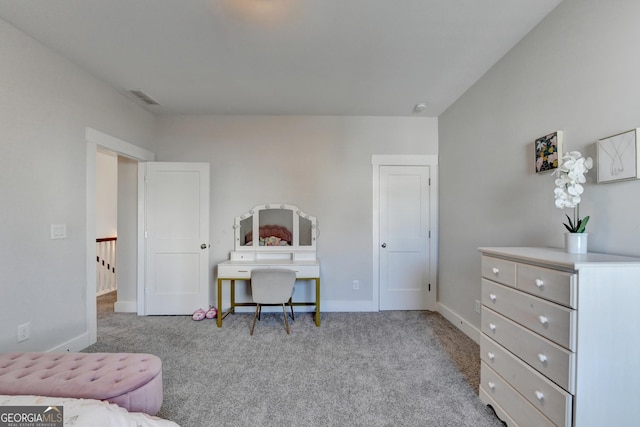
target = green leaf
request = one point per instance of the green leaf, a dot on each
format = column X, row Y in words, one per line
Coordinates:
column 571, row 229
column 582, row 225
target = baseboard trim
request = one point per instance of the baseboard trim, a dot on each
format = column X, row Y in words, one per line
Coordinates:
column 125, row 307
column 467, row 328
column 348, row 306
column 75, row 344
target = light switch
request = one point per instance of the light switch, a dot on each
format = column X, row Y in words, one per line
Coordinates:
column 58, row 231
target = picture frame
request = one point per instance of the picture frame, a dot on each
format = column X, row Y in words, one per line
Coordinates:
column 618, row 157
column 548, row 151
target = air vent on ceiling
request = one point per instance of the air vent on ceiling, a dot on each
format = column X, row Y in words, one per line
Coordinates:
column 140, row 95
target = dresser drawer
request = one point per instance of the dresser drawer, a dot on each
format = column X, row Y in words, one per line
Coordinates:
column 558, row 286
column 499, row 270
column 554, row 402
column 548, row 319
column 516, row 406
column 500, row 412
column 548, row 358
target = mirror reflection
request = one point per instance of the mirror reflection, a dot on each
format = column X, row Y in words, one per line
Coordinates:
column 276, row 226
column 305, row 232
column 246, row 227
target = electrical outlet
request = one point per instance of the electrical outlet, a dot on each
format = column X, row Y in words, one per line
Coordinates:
column 478, row 306
column 24, row 332
column 356, row 285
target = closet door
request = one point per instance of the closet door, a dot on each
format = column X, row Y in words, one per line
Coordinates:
column 404, row 238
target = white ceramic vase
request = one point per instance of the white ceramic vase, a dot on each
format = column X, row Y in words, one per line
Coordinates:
column 576, row 243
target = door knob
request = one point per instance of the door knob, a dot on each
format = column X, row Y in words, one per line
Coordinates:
column 204, row 246
column 384, row 245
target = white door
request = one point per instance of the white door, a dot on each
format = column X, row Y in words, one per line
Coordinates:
column 404, row 239
column 177, row 237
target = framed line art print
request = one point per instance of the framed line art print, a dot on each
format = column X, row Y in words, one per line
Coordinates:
column 618, row 157
column 548, row 151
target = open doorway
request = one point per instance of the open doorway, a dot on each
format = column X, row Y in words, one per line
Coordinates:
column 129, row 237
column 106, row 228
column 116, row 232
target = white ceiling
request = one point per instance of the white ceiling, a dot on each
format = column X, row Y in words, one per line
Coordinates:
column 319, row 57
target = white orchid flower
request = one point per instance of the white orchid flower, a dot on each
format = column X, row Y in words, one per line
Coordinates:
column 588, row 163
column 577, row 188
column 570, row 177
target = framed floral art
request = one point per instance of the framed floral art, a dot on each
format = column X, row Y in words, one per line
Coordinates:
column 548, row 151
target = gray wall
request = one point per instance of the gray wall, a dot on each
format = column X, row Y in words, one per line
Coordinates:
column 45, row 106
column 320, row 164
column 578, row 72
column 106, row 194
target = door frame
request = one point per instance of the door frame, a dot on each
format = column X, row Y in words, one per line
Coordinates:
column 95, row 139
column 378, row 160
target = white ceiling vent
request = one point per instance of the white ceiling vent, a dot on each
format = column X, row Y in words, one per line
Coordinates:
column 141, row 96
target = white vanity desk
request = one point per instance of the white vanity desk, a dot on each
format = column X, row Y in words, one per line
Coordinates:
column 286, row 239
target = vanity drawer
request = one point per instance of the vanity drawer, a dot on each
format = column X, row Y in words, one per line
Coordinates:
column 235, row 271
column 499, row 270
column 306, row 271
column 554, row 402
column 554, row 285
column 548, row 319
column 548, row 358
column 518, row 408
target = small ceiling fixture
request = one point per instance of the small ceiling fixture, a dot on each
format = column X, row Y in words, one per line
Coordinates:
column 141, row 96
column 261, row 11
column 419, row 108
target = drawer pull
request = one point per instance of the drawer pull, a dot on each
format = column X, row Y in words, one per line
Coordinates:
column 539, row 283
column 492, row 326
column 493, row 297
column 543, row 319
column 243, row 271
column 542, row 358
column 495, row 270
column 539, row 395
column 491, row 385
column 491, row 356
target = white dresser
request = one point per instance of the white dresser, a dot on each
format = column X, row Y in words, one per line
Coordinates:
column 560, row 342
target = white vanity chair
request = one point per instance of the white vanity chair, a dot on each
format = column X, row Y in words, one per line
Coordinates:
column 271, row 236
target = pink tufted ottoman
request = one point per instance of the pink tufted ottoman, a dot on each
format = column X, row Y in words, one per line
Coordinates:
column 130, row 380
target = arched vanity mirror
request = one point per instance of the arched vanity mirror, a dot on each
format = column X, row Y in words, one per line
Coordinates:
column 275, row 231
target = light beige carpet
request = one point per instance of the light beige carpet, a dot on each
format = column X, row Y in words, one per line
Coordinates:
column 357, row 369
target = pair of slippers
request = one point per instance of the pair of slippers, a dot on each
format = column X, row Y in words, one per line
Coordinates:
column 200, row 314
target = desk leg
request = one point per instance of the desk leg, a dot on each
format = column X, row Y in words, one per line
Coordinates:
column 219, row 316
column 317, row 301
column 233, row 296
